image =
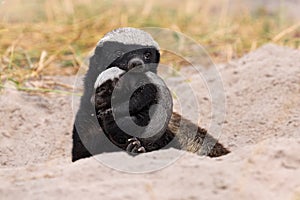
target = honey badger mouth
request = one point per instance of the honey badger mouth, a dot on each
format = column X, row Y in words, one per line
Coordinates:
column 125, row 100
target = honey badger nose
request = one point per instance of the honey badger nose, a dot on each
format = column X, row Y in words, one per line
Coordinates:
column 135, row 62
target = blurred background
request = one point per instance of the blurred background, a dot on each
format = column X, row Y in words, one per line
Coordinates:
column 55, row 37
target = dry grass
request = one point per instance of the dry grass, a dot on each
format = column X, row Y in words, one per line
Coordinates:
column 55, row 36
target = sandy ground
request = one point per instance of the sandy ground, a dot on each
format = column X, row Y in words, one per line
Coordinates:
column 261, row 128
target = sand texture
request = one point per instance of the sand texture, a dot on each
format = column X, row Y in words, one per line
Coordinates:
column 261, row 128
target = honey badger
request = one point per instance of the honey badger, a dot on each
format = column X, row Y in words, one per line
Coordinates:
column 96, row 128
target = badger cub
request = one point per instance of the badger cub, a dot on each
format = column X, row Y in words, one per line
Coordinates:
column 102, row 126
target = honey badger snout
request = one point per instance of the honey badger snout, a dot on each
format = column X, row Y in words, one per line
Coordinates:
column 135, row 62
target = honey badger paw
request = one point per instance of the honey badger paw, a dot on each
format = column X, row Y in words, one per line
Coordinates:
column 135, row 146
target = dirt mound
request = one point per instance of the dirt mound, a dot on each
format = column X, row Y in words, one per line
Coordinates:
column 261, row 129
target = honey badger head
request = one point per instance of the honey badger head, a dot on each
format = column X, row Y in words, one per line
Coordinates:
column 122, row 45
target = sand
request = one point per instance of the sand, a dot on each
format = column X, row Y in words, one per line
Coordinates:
column 261, row 128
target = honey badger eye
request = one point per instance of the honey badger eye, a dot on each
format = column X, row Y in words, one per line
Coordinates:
column 147, row 56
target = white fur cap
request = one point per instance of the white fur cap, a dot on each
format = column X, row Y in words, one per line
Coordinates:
column 128, row 35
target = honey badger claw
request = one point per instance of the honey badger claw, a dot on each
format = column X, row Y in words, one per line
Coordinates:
column 135, row 146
